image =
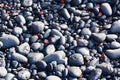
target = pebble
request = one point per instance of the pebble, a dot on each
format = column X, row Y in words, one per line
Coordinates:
column 106, row 68
column 52, row 77
column 83, row 51
column 76, row 2
column 56, row 32
column 27, row 3
column 9, row 76
column 2, row 61
column 42, row 75
column 65, row 13
column 82, row 42
column 76, row 59
column 35, row 46
column 106, row 9
column 95, row 74
column 24, row 74
column 64, row 26
column 20, row 19
column 115, row 45
column 41, row 65
column 9, row 41
column 37, row 27
column 3, row 72
column 111, row 37
column 113, row 53
column 35, row 57
column 98, row 37
column 50, row 49
column 62, row 40
column 24, row 48
column 60, row 67
column 33, row 39
column 17, row 30
column 18, row 57
column 47, row 33
column 115, row 27
column 86, row 31
column 74, row 71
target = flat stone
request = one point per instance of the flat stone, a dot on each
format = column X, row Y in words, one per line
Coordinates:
column 76, row 59
column 115, row 27
column 113, row 53
column 74, row 71
column 35, row 57
column 9, row 41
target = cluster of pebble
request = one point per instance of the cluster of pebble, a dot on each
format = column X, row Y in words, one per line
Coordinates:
column 59, row 40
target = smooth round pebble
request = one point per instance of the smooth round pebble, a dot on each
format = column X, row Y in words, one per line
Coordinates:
column 35, row 46
column 20, row 19
column 27, row 3
column 63, row 26
column 50, row 49
column 3, row 72
column 83, row 50
column 115, row 45
column 115, row 27
column 9, row 76
column 17, row 30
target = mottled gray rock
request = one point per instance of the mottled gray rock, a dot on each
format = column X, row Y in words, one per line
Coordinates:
column 20, row 19
column 106, row 9
column 115, row 45
column 83, row 50
column 35, row 57
column 115, row 27
column 76, row 59
column 18, row 57
column 50, row 49
column 17, row 30
column 27, row 3
column 52, row 77
column 9, row 41
column 24, row 74
column 98, row 37
column 113, row 53
column 106, row 68
column 24, row 48
column 74, row 71
column 3, row 72
column 9, row 76
column 37, row 27
column 65, row 13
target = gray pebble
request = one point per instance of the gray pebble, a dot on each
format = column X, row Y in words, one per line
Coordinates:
column 33, row 39
column 82, row 42
column 115, row 27
column 99, row 1
column 20, row 19
column 115, row 45
column 106, row 9
column 63, row 40
column 76, row 59
column 42, row 74
column 35, row 46
column 3, row 72
column 9, row 41
column 64, row 26
column 37, row 27
column 35, row 57
column 50, row 49
column 20, row 58
column 65, row 13
column 113, row 53
column 60, row 67
column 83, row 50
column 111, row 37
column 24, row 74
column 74, row 71
column 52, row 77
column 106, row 68
column 47, row 33
column 98, row 37
column 9, row 76
column 41, row 65
column 27, row 3
column 17, row 30
column 86, row 31
column 24, row 48
column 89, row 6
column 56, row 32
column 2, row 61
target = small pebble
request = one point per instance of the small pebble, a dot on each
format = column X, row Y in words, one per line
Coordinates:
column 50, row 49
column 17, row 30
column 76, row 2
column 115, row 45
column 9, row 76
column 115, row 27
column 52, row 77
column 20, row 19
column 3, row 72
column 35, row 46
column 83, row 51
column 27, row 3
column 65, row 13
column 24, row 74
